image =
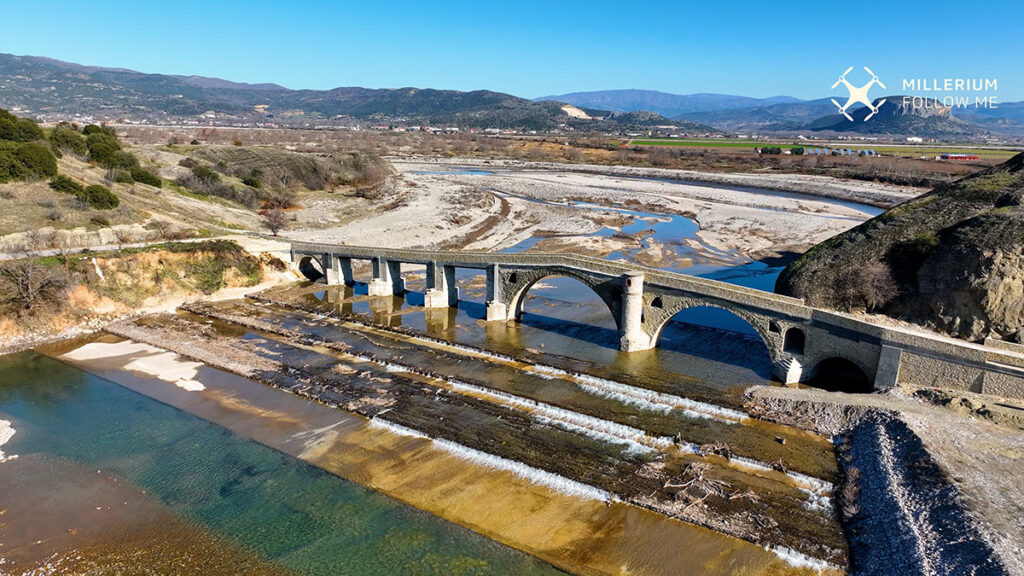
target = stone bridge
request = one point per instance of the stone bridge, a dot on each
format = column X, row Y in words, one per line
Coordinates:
column 801, row 340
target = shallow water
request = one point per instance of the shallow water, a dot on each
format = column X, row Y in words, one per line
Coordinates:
column 269, row 506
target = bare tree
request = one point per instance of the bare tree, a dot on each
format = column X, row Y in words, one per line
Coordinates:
column 162, row 227
column 878, row 287
column 276, row 220
column 63, row 244
column 30, row 285
column 123, row 235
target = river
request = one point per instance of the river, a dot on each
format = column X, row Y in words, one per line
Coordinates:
column 235, row 476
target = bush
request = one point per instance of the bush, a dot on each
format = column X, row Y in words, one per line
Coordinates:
column 37, row 159
column 144, row 176
column 797, row 151
column 120, row 176
column 21, row 161
column 205, row 175
column 771, row 150
column 103, row 149
column 91, row 129
column 66, row 185
column 18, row 129
column 68, row 139
column 100, row 197
column 252, row 182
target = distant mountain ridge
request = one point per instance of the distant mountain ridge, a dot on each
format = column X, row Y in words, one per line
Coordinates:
column 55, row 89
column 668, row 105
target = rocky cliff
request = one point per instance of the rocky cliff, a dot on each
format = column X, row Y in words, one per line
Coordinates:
column 952, row 259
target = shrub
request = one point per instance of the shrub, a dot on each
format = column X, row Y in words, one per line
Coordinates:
column 31, row 159
column 771, row 150
column 91, row 129
column 68, row 139
column 205, row 175
column 100, row 220
column 100, row 197
column 18, row 129
column 66, row 185
column 252, row 182
column 796, row 151
column 120, row 176
column 103, row 149
column 144, row 176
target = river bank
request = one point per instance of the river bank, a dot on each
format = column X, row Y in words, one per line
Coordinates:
column 921, row 480
column 495, row 205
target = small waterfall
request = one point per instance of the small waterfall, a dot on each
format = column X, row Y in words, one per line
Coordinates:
column 518, row 469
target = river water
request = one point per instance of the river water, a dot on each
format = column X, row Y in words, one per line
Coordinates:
column 234, row 476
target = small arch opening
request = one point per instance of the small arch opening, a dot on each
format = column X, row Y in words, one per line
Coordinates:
column 840, row 375
column 794, row 341
column 773, row 326
column 310, row 268
column 657, row 302
column 513, row 278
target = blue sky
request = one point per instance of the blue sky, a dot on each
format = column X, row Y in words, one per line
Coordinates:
column 527, row 48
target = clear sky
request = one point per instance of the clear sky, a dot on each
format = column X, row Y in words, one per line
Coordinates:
column 528, row 48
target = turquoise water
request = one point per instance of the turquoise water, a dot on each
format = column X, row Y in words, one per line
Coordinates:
column 272, row 505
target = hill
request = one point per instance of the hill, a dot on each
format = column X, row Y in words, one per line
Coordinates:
column 780, row 116
column 668, row 105
column 54, row 90
column 952, row 259
column 897, row 116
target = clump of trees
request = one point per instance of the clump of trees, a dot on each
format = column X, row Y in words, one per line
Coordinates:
column 24, row 151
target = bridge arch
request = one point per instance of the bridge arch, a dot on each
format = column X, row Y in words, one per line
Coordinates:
column 660, row 317
column 841, row 374
column 311, row 268
column 519, row 282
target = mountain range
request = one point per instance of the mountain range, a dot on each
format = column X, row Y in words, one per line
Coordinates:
column 668, row 105
column 52, row 89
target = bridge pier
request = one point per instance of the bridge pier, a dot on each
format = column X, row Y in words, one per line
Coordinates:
column 387, row 278
column 632, row 337
column 441, row 291
column 338, row 270
column 497, row 309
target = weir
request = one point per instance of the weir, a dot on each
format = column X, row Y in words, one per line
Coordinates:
column 801, row 340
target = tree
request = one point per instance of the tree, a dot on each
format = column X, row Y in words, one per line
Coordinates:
column 275, row 220
column 878, row 287
column 28, row 285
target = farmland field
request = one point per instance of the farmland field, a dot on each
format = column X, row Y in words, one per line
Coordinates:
column 888, row 150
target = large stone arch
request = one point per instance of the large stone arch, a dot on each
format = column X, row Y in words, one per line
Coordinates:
column 656, row 317
column 517, row 284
